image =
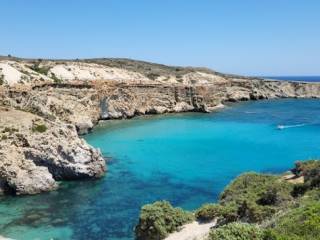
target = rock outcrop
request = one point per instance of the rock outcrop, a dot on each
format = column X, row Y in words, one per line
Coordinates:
column 35, row 152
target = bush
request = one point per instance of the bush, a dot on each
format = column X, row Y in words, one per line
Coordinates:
column 42, row 70
column 41, row 128
column 237, row 231
column 56, row 79
column 4, row 137
column 300, row 189
column 304, row 168
column 298, row 224
column 276, row 193
column 253, row 187
column 208, row 212
column 9, row 130
column 257, row 196
column 159, row 219
column 254, row 213
column 1, row 79
column 229, row 214
column 310, row 170
column 225, row 214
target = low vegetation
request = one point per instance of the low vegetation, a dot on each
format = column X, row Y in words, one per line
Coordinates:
column 252, row 207
column 40, row 128
column 237, row 231
column 159, row 219
column 208, row 212
column 1, row 79
column 224, row 213
column 9, row 130
column 40, row 69
column 150, row 70
column 299, row 223
column 257, row 196
column 56, row 79
column 4, row 137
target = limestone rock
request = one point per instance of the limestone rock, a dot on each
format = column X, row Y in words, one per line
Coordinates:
column 183, row 107
column 35, row 152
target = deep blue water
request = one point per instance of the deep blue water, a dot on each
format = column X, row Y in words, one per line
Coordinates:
column 186, row 158
column 296, row 78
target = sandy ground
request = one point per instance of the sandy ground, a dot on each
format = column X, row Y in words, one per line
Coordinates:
column 192, row 231
column 11, row 75
column 293, row 179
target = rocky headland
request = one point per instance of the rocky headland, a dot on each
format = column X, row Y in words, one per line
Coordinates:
column 46, row 104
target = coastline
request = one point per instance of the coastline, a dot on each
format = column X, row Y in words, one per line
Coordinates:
column 69, row 108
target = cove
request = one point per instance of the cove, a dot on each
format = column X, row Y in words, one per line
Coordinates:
column 186, row 159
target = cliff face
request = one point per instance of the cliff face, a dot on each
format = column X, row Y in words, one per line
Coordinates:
column 34, row 152
column 44, row 105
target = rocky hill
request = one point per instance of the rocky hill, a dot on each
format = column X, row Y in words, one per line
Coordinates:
column 46, row 104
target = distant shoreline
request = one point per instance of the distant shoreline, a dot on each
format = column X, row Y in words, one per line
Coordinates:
column 294, row 78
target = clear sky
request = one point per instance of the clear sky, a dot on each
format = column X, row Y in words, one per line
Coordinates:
column 253, row 37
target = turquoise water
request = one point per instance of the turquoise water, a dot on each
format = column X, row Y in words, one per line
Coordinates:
column 186, row 159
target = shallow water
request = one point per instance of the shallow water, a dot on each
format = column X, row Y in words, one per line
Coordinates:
column 187, row 159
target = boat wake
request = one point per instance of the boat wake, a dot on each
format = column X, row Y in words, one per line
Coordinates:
column 281, row 127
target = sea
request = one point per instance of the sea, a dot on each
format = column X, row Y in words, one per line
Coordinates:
column 187, row 159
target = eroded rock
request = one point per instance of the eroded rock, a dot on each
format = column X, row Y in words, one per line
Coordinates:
column 35, row 152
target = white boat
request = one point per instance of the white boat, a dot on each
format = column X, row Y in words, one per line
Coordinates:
column 280, row 127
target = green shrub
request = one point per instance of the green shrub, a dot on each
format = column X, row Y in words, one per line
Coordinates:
column 56, row 79
column 257, row 196
column 298, row 224
column 153, row 76
column 41, row 128
column 225, row 214
column 253, row 186
column 254, row 213
column 304, row 168
column 42, row 70
column 276, row 193
column 208, row 212
column 9, row 130
column 300, row 189
column 310, row 196
column 229, row 214
column 159, row 219
column 237, row 231
column 4, row 137
column 1, row 79
column 310, row 170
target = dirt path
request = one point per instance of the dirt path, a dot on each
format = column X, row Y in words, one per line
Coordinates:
column 192, row 231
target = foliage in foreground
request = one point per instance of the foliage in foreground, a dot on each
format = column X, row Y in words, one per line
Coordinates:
column 237, row 231
column 257, row 196
column 209, row 212
column 159, row 219
column 253, row 207
column 298, row 224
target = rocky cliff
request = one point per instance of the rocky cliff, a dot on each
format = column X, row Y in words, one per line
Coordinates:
column 45, row 104
column 34, row 152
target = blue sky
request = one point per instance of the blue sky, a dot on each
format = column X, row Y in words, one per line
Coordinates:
column 253, row 37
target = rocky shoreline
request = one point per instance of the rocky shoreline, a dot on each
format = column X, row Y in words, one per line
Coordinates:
column 45, row 105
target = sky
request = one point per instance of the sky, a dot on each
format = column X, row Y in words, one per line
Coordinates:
column 251, row 37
